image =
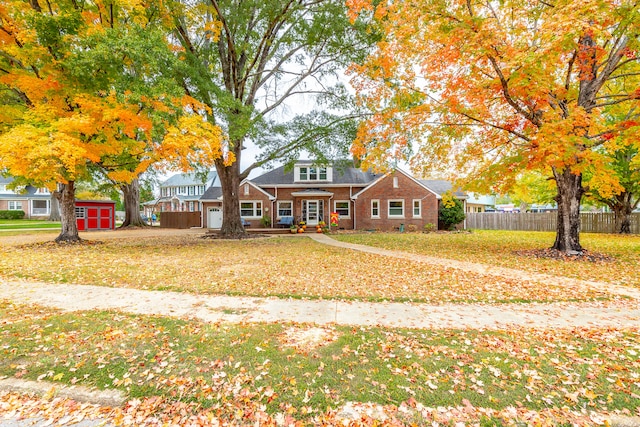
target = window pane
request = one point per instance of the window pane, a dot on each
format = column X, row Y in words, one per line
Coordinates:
column 285, row 209
column 342, row 208
column 246, row 209
column 375, row 208
column 258, row 209
column 396, row 208
column 303, row 174
column 323, row 174
column 313, row 175
column 416, row 208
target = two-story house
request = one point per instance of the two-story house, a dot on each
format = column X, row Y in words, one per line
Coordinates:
column 182, row 192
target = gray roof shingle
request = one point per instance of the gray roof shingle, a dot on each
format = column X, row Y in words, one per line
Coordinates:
column 440, row 186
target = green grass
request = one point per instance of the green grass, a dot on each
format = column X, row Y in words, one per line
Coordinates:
column 217, row 366
column 500, row 248
column 25, row 224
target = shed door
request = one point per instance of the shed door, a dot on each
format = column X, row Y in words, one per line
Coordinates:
column 105, row 218
column 214, row 219
column 92, row 218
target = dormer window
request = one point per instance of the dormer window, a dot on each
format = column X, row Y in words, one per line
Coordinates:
column 313, row 173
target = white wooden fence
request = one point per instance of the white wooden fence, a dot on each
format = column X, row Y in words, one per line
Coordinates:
column 589, row 222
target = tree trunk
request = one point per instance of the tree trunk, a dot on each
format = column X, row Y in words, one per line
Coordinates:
column 622, row 209
column 232, row 227
column 570, row 193
column 54, row 214
column 131, row 194
column 66, row 196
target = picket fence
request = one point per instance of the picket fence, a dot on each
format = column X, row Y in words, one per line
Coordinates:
column 590, row 222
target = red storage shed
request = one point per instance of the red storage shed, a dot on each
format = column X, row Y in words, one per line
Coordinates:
column 93, row 215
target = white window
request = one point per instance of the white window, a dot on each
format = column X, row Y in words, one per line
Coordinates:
column 190, row 206
column 313, row 173
column 285, row 208
column 395, row 182
column 342, row 208
column 200, row 189
column 182, row 190
column 192, row 190
column 15, row 205
column 396, row 208
column 375, row 209
column 40, row 207
column 80, row 213
column 246, row 189
column 417, row 208
column 251, row 209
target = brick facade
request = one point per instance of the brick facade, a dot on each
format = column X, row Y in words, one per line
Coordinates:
column 406, row 190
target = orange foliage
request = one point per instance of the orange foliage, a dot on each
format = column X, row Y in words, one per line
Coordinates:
column 497, row 87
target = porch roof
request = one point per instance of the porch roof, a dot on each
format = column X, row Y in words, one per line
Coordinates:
column 312, row 192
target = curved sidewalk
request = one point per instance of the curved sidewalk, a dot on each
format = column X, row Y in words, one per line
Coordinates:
column 481, row 268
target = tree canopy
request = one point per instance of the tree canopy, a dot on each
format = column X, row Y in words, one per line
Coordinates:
column 248, row 60
column 83, row 88
column 490, row 89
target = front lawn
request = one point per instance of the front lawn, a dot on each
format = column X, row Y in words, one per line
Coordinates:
column 25, row 224
column 497, row 247
column 283, row 266
column 246, row 373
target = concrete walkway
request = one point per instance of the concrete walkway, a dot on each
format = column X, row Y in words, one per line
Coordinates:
column 409, row 315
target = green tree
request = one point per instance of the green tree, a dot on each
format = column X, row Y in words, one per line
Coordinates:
column 451, row 212
column 247, row 59
column 625, row 164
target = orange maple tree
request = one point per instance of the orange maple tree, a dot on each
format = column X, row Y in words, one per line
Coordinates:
column 77, row 94
column 491, row 89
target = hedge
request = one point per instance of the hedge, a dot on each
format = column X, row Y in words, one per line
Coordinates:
column 11, row 214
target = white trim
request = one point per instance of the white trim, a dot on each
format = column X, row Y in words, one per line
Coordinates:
column 246, row 181
column 254, row 214
column 378, row 203
column 413, row 208
column 355, row 196
column 395, row 182
column 15, row 207
column 335, row 208
column 278, row 216
column 389, row 209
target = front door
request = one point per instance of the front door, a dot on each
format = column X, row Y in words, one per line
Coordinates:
column 313, row 212
column 215, row 218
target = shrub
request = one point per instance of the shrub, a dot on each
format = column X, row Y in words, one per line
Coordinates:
column 265, row 222
column 451, row 213
column 11, row 214
column 429, row 227
column 412, row 228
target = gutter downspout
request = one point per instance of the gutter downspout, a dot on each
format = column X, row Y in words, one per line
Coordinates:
column 354, row 206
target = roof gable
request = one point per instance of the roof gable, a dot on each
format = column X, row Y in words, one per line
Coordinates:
column 183, row 179
column 381, row 178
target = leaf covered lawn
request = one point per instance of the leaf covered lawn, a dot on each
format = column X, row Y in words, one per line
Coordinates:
column 295, row 267
column 179, row 371
column 504, row 248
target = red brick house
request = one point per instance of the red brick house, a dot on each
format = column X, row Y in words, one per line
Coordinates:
column 309, row 192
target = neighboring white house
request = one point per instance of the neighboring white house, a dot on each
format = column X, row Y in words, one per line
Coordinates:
column 35, row 202
column 181, row 193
